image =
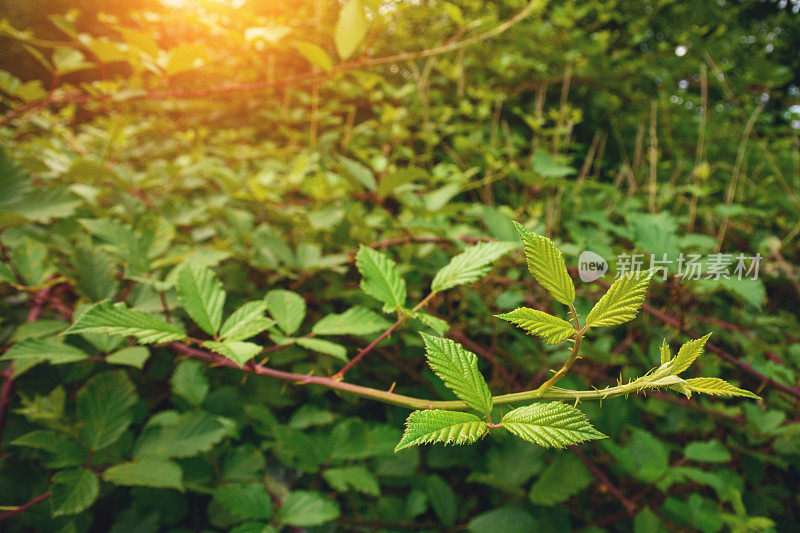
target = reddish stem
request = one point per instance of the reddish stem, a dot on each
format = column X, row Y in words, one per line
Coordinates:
column 24, row 507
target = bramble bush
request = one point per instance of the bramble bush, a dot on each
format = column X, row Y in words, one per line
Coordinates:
column 270, row 266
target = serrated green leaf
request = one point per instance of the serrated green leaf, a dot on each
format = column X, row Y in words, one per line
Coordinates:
column 73, row 491
column 237, row 351
column 250, row 502
column 202, row 296
column 119, row 319
column 458, row 369
column 307, row 509
column 470, row 265
column 287, row 308
column 188, row 382
column 355, row 478
column 717, row 387
column 547, row 265
column 688, row 353
column 433, row 425
column 105, row 405
column 50, row 349
column 621, row 302
column 665, row 353
column 549, row 328
column 552, row 425
column 351, row 28
column 134, row 356
column 380, row 278
column 246, row 322
column 355, row 321
column 322, row 346
column 156, row 473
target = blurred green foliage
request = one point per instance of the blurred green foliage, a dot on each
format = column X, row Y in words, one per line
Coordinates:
column 138, row 136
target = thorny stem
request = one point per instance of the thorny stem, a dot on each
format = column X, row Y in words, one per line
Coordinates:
column 392, row 398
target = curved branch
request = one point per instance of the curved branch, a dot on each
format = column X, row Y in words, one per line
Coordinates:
column 392, row 398
column 24, row 507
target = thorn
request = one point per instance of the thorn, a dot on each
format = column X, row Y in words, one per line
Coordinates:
column 391, row 389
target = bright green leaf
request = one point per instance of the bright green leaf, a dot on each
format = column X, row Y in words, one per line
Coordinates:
column 552, row 425
column 688, row 353
column 433, row 425
column 621, row 302
column 458, row 369
column 551, row 329
column 717, row 387
column 547, row 265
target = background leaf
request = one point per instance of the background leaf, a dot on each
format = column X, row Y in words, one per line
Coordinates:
column 380, row 278
column 470, row 265
column 118, row 319
column 202, row 296
column 73, row 491
column 351, row 28
column 287, row 308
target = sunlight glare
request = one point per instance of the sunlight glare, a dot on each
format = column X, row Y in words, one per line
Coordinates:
column 177, row 4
